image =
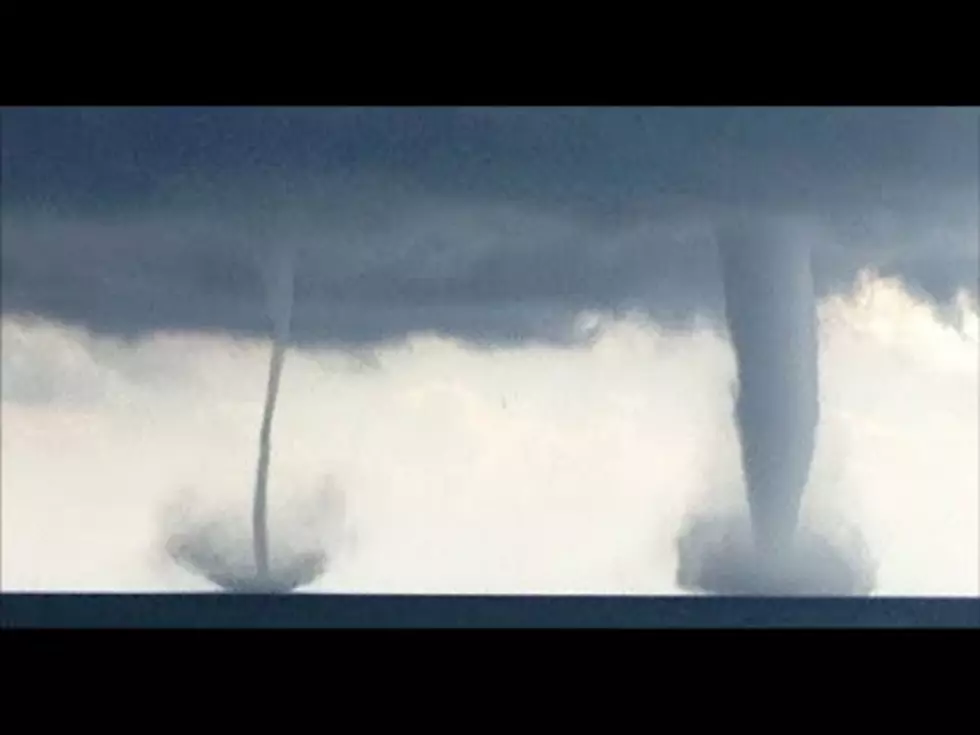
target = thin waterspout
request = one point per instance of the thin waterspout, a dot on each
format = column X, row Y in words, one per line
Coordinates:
column 281, row 305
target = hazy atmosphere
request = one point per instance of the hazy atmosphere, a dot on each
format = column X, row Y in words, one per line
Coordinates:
column 508, row 362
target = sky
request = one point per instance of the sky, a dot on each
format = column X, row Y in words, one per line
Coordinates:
column 510, row 374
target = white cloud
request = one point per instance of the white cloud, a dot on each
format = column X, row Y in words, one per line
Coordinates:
column 514, row 470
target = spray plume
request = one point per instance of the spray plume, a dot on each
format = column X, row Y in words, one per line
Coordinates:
column 208, row 549
column 770, row 308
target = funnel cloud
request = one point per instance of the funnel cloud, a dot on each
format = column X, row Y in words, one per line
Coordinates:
column 772, row 319
column 771, row 312
column 207, row 548
column 280, row 307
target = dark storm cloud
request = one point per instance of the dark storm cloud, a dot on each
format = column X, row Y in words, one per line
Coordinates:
column 492, row 224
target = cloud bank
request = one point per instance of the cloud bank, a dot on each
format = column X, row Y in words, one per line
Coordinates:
column 494, row 226
column 511, row 358
column 533, row 469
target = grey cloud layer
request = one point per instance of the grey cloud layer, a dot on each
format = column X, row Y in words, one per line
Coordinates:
column 492, row 224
